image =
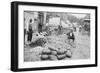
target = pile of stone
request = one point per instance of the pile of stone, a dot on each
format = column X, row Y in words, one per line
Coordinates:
column 53, row 54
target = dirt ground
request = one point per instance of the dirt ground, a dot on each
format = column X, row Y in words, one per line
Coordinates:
column 80, row 50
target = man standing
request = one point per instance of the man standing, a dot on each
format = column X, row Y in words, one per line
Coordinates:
column 30, row 31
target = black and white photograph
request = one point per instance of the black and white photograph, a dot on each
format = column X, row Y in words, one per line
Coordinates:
column 50, row 36
column 53, row 36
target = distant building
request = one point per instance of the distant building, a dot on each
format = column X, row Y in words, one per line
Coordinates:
column 34, row 17
column 54, row 21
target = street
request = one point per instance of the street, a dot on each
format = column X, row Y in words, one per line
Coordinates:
column 82, row 50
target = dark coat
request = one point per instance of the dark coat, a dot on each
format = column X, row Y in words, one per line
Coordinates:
column 71, row 37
